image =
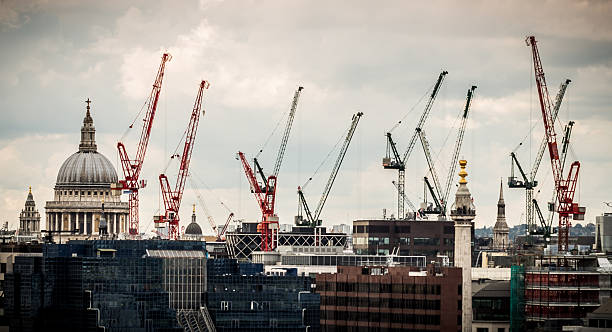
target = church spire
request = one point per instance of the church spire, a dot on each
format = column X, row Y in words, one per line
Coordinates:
column 501, row 205
column 88, row 133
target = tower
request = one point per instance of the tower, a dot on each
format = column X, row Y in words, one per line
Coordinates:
column 463, row 212
column 501, row 230
column 29, row 218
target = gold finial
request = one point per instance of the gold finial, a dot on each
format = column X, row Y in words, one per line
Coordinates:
column 462, row 172
column 30, row 189
column 194, row 208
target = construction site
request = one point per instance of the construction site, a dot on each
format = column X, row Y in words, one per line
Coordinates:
column 94, row 255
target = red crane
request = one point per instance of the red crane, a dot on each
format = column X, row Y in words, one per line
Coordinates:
column 565, row 188
column 266, row 196
column 132, row 167
column 172, row 198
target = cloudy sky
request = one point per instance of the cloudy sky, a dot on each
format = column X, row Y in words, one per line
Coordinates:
column 379, row 58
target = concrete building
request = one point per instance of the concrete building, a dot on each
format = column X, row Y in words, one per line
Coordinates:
column 83, row 184
column 501, row 230
column 491, row 306
column 29, row 218
column 463, row 213
column 603, row 229
column 381, row 298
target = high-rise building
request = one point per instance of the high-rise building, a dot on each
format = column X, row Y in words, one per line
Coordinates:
column 463, row 213
column 117, row 285
column 603, row 232
column 501, row 230
column 83, row 184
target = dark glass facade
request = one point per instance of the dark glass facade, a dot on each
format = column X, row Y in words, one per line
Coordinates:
column 241, row 297
column 84, row 285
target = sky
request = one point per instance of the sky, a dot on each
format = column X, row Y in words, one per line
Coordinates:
column 379, row 58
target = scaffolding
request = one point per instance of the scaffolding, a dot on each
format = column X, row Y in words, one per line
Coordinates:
column 517, row 298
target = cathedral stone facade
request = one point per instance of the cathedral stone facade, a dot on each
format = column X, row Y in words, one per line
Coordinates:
column 83, row 185
column 29, row 218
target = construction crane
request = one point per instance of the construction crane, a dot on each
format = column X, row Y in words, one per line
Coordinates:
column 265, row 194
column 393, row 160
column 441, row 197
column 313, row 218
column 458, row 144
column 133, row 167
column 438, row 208
column 211, row 220
column 565, row 188
column 221, row 235
column 530, row 183
column 172, row 198
column 438, row 199
column 406, row 200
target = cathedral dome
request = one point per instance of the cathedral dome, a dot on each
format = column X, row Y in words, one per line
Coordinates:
column 87, row 167
column 193, row 229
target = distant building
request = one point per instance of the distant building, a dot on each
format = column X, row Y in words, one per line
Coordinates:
column 193, row 230
column 603, row 238
column 83, row 184
column 241, row 298
column 29, row 218
column 428, row 238
column 501, row 230
column 491, row 306
column 390, row 299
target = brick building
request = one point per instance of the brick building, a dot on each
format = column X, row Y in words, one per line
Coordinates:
column 390, row 299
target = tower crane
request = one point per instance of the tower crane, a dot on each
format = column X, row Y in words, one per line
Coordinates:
column 393, row 160
column 313, row 218
column 406, row 200
column 172, row 198
column 209, row 217
column 133, row 167
column 221, row 235
column 458, row 144
column 530, row 183
column 565, row 188
column 265, row 194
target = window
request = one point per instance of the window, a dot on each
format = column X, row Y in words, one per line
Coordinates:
column 501, row 329
column 273, row 322
column 404, row 240
column 89, row 193
column 482, row 329
column 226, row 305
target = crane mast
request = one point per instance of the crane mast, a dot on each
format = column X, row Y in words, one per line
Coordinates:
column 132, row 167
column 221, row 235
column 395, row 162
column 565, row 188
column 314, row 218
column 266, row 196
column 172, row 198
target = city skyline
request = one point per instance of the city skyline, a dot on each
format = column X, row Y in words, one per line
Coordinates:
column 373, row 59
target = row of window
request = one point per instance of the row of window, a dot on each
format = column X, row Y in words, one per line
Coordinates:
column 361, row 287
column 417, row 241
column 89, row 193
column 380, row 317
column 380, row 302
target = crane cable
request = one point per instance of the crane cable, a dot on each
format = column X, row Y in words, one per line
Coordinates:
column 411, row 109
column 324, row 161
column 281, row 120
